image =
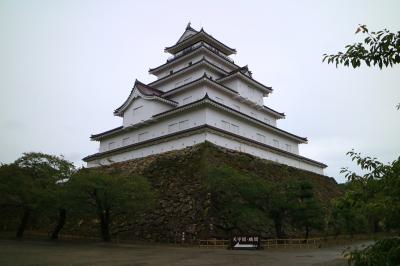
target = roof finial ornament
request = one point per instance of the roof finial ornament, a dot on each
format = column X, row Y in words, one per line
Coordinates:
column 188, row 27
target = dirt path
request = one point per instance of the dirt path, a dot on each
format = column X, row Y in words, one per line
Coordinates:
column 95, row 253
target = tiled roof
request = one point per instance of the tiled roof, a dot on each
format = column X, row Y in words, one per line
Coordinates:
column 145, row 90
column 199, row 35
column 198, row 128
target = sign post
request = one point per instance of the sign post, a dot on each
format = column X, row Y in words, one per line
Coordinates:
column 246, row 242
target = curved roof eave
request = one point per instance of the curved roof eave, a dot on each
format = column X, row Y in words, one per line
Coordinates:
column 145, row 95
column 158, row 69
column 100, row 154
column 176, row 47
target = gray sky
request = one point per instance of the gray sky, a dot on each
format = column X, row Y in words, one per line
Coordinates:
column 66, row 65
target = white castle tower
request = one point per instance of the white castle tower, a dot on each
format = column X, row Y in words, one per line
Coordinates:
column 200, row 95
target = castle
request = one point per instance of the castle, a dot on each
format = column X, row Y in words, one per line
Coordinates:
column 200, row 95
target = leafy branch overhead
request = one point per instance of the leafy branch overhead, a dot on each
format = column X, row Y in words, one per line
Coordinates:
column 380, row 48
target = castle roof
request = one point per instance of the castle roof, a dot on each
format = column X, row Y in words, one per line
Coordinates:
column 195, row 37
column 243, row 73
column 207, row 100
column 146, row 92
column 201, row 128
column 176, row 58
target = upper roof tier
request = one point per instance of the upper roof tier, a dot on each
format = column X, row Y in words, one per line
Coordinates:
column 191, row 36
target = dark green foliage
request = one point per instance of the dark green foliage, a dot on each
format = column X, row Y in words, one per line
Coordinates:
column 346, row 217
column 246, row 203
column 376, row 196
column 19, row 196
column 281, row 206
column 377, row 192
column 45, row 166
column 241, row 202
column 111, row 198
column 380, row 48
column 306, row 211
column 30, row 186
column 385, row 252
column 204, row 190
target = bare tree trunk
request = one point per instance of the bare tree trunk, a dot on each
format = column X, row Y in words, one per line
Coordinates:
column 62, row 216
column 105, row 225
column 279, row 226
column 307, row 231
column 24, row 222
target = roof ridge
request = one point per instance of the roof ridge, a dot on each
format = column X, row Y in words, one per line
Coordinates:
column 189, row 27
column 138, row 82
column 202, row 31
column 206, row 97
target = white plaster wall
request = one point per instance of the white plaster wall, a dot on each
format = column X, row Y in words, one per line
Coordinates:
column 141, row 109
column 232, row 83
column 198, row 92
column 195, row 57
column 154, row 129
column 197, row 117
column 179, row 79
column 248, row 91
column 260, row 152
column 174, row 144
column 234, row 103
column 185, row 141
column 182, row 64
column 249, row 130
column 189, row 95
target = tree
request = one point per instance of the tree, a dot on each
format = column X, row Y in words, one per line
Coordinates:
column 380, row 48
column 19, row 195
column 113, row 198
column 51, row 172
column 383, row 252
column 30, row 184
column 281, row 198
column 307, row 213
column 378, row 188
column 240, row 202
column 385, row 179
column 347, row 216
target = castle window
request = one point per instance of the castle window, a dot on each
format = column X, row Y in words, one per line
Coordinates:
column 142, row 136
column 179, row 83
column 187, row 80
column 225, row 125
column 235, row 128
column 190, row 63
column 125, row 141
column 276, row 143
column 136, row 110
column 266, row 120
column 260, row 138
column 218, row 99
column 171, row 72
column 183, row 124
column 186, row 100
column 288, row 148
column 111, row 145
column 172, row 127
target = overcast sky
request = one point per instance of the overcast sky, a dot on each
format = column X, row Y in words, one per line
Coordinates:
column 66, row 65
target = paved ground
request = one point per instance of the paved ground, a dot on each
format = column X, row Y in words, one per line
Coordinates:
column 94, row 253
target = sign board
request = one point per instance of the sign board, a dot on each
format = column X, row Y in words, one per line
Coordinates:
column 245, row 242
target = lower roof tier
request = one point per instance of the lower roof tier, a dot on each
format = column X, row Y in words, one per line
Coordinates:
column 193, row 136
column 266, row 126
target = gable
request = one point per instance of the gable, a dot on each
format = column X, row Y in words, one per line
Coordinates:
column 145, row 92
